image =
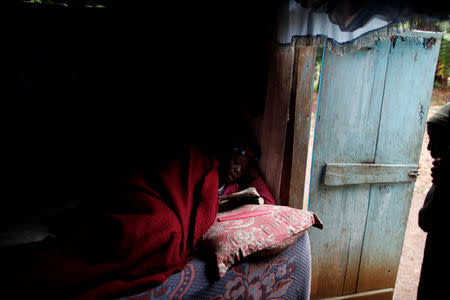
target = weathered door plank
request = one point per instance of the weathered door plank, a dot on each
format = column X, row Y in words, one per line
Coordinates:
column 350, row 173
column 271, row 129
column 383, row 294
column 407, row 94
column 297, row 137
column 346, row 129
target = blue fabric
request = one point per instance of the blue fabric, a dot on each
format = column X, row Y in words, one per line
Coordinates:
column 343, row 21
column 283, row 276
column 297, row 21
column 351, row 15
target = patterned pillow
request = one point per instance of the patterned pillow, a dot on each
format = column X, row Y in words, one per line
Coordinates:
column 233, row 240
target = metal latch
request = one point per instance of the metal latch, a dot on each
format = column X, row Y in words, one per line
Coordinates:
column 413, row 173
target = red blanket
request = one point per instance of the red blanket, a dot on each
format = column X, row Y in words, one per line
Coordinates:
column 148, row 232
column 258, row 184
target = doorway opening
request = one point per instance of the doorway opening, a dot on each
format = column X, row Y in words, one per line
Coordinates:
column 316, row 85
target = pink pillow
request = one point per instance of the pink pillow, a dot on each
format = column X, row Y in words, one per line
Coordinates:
column 233, row 240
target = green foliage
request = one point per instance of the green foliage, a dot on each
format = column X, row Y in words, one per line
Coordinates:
column 319, row 52
column 443, row 66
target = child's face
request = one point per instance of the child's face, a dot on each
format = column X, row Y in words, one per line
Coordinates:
column 237, row 168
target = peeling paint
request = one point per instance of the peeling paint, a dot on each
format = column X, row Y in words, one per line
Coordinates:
column 428, row 43
column 361, row 248
column 393, row 41
column 421, row 113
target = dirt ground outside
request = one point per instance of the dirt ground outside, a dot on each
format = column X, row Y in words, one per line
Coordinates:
column 414, row 243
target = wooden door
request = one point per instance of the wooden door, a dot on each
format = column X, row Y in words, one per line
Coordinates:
column 370, row 123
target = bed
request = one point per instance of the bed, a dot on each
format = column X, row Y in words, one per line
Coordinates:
column 283, row 276
column 144, row 236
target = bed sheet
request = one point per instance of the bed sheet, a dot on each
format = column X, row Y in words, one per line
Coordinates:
column 286, row 275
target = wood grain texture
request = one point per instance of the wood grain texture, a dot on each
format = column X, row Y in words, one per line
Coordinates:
column 297, row 135
column 271, row 130
column 372, row 111
column 383, row 294
column 407, row 94
column 346, row 131
column 345, row 173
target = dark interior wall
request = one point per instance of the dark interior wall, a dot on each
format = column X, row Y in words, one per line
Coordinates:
column 191, row 83
column 146, row 47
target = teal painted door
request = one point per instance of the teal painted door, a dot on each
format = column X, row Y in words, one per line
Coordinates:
column 370, row 123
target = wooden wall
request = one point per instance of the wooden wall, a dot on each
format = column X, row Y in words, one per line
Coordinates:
column 283, row 130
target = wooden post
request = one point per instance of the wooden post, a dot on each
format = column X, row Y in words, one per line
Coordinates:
column 298, row 129
column 283, row 130
column 271, row 128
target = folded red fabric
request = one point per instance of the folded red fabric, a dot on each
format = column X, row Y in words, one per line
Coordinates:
column 153, row 233
column 260, row 186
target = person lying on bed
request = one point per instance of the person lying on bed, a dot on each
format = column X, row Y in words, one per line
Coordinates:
column 238, row 171
column 131, row 235
column 135, row 232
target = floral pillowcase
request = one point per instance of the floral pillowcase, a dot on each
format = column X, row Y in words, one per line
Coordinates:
column 262, row 235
